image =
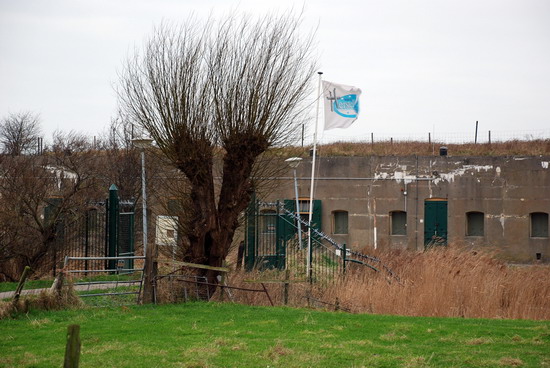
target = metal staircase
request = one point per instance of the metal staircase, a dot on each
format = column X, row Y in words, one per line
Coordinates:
column 342, row 251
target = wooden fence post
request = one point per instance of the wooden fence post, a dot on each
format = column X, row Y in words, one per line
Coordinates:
column 72, row 351
column 150, row 274
column 222, row 281
column 24, row 275
column 286, row 286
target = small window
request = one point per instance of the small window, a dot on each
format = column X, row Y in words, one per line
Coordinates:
column 174, row 207
column 303, row 206
column 167, row 230
column 539, row 225
column 475, row 224
column 398, row 220
column 268, row 219
column 340, row 222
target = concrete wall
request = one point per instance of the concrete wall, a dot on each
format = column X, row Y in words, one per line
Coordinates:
column 505, row 189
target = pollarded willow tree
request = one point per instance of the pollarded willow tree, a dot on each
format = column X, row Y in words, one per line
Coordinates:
column 220, row 92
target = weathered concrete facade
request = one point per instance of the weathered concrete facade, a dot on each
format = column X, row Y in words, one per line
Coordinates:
column 388, row 201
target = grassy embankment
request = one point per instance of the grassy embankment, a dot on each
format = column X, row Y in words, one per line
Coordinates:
column 404, row 148
column 230, row 335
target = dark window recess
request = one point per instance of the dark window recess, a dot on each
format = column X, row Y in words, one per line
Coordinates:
column 475, row 224
column 340, row 222
column 303, row 206
column 268, row 220
column 539, row 225
column 398, row 221
column 174, row 207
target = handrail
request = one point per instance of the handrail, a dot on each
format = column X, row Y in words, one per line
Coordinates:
column 329, row 239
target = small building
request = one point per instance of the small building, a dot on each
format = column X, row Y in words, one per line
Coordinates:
column 413, row 202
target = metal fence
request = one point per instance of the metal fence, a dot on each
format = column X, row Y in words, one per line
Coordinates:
column 105, row 229
column 482, row 136
column 272, row 242
column 82, row 235
column 101, row 286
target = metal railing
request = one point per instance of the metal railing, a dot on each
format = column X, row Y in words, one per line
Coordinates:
column 328, row 257
column 109, row 282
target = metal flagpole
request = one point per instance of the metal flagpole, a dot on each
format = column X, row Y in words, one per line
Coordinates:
column 309, row 250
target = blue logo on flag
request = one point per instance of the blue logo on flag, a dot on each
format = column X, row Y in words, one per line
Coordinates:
column 346, row 106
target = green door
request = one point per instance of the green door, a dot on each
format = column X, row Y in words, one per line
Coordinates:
column 435, row 222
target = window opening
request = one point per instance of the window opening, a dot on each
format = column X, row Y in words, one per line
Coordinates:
column 340, row 222
column 539, row 225
column 398, row 220
column 475, row 224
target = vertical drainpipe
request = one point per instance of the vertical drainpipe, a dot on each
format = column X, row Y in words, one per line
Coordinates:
column 374, row 222
column 416, row 209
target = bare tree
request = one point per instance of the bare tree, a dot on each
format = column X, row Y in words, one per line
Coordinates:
column 218, row 96
column 36, row 193
column 19, row 133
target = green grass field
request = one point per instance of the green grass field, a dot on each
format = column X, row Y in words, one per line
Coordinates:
column 229, row 335
column 31, row 284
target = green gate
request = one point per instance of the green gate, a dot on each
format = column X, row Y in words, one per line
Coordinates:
column 105, row 228
column 270, row 232
column 435, row 222
column 271, row 242
column 120, row 230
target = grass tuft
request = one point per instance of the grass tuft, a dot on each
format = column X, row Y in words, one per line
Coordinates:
column 510, row 362
column 46, row 300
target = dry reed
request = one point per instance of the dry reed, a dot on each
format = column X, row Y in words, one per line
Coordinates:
column 445, row 282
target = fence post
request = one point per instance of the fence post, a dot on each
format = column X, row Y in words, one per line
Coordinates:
column 286, row 285
column 250, row 235
column 150, row 274
column 222, row 282
column 72, row 350
column 344, row 252
column 113, row 226
column 24, row 275
column 86, row 239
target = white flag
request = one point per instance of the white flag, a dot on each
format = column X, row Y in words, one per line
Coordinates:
column 341, row 105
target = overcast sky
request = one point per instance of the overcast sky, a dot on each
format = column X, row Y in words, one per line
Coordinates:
column 424, row 66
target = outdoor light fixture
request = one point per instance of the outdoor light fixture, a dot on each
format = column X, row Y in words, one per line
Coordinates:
column 143, row 143
column 294, row 162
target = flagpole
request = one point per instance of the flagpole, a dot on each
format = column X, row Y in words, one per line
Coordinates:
column 309, row 253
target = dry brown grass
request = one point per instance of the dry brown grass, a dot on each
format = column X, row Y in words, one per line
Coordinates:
column 444, row 282
column 450, row 282
column 406, row 148
column 46, row 300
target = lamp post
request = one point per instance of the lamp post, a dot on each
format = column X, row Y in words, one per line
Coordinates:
column 294, row 162
column 142, row 144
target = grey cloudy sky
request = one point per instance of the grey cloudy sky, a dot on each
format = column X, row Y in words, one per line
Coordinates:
column 424, row 66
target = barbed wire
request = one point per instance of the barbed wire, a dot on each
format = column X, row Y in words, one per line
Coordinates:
column 483, row 136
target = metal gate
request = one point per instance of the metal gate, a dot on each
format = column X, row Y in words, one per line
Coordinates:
column 104, row 287
column 104, row 229
column 272, row 242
